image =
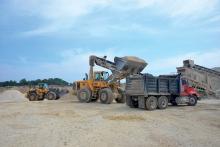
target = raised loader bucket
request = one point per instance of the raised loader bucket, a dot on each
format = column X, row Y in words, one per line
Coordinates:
column 129, row 65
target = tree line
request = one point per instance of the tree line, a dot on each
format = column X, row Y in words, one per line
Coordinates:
column 24, row 82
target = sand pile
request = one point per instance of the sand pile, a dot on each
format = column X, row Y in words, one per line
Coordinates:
column 12, row 95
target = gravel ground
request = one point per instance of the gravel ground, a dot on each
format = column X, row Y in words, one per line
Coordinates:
column 66, row 122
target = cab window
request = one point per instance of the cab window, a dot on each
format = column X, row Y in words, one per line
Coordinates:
column 105, row 76
column 184, row 82
column 97, row 76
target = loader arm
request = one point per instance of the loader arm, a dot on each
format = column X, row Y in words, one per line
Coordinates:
column 120, row 68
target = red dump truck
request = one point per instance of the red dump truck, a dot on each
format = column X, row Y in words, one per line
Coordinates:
column 150, row 92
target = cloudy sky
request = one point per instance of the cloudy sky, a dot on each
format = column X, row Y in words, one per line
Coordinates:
column 53, row 38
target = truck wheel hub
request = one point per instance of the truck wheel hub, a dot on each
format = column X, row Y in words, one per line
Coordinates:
column 192, row 100
column 152, row 103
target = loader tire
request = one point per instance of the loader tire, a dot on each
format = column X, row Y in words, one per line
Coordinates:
column 84, row 95
column 151, row 103
column 122, row 99
column 51, row 96
column 32, row 97
column 106, row 96
column 162, row 102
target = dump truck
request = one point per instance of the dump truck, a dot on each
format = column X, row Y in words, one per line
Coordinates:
column 100, row 85
column 42, row 91
column 151, row 92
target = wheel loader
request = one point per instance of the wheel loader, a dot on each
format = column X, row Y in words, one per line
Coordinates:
column 100, row 85
column 41, row 92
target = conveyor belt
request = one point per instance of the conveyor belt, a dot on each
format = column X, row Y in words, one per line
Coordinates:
column 198, row 67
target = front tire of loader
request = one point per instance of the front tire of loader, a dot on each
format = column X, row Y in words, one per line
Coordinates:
column 51, row 96
column 106, row 96
column 32, row 97
column 84, row 95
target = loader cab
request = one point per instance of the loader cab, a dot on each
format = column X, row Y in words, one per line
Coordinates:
column 43, row 85
column 101, row 76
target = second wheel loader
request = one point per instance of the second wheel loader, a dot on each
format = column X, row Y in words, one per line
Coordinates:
column 100, row 85
column 42, row 92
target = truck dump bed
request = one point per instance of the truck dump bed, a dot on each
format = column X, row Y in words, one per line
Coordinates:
column 147, row 84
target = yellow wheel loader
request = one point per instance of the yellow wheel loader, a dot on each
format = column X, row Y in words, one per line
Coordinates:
column 100, row 85
column 41, row 92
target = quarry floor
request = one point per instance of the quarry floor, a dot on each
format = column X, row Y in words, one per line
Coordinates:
column 66, row 122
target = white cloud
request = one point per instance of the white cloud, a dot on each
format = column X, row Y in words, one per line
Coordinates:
column 210, row 59
column 62, row 15
column 74, row 63
column 57, row 15
column 181, row 8
column 108, row 29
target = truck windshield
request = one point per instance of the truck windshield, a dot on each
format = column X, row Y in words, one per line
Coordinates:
column 184, row 82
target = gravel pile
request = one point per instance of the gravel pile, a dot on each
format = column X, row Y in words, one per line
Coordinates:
column 12, row 95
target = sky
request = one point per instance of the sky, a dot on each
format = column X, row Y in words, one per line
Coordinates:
column 53, row 38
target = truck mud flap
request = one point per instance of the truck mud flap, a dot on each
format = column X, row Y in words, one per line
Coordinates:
column 141, row 102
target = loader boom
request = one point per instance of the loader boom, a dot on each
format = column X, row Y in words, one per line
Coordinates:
column 120, row 68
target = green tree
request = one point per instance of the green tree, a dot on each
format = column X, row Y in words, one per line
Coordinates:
column 23, row 82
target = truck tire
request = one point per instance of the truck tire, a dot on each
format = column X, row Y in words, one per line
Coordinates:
column 84, row 95
column 192, row 100
column 131, row 103
column 51, row 95
column 151, row 103
column 106, row 96
column 32, row 97
column 162, row 102
column 122, row 98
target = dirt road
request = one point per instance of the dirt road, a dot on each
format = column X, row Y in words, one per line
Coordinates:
column 68, row 123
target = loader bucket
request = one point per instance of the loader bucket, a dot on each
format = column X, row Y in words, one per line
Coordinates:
column 129, row 65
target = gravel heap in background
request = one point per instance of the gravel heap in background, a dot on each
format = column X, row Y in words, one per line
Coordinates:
column 12, row 95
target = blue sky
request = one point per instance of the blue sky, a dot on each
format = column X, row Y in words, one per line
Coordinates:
column 54, row 38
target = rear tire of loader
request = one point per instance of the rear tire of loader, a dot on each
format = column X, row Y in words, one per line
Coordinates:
column 106, row 96
column 32, row 97
column 51, row 96
column 122, row 99
column 151, row 103
column 84, row 95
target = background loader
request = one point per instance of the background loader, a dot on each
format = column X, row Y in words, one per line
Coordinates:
column 42, row 92
column 101, row 85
